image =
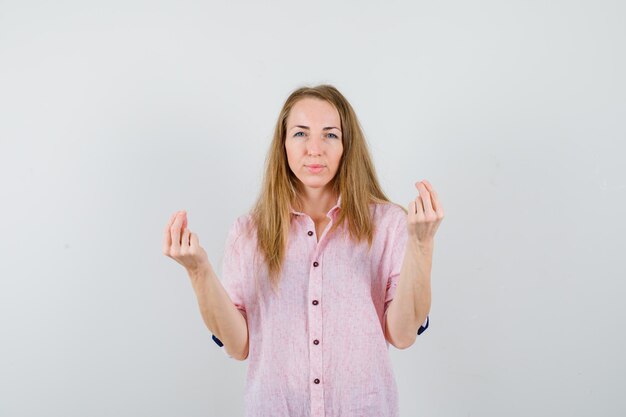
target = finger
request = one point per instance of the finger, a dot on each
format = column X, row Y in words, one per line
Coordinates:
column 167, row 237
column 175, row 232
column 185, row 239
column 435, row 198
column 425, row 196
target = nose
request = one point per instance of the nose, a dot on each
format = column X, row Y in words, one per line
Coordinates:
column 314, row 145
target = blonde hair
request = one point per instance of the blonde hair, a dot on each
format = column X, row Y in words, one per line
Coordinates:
column 355, row 181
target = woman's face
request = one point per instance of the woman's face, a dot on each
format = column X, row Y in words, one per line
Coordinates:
column 313, row 141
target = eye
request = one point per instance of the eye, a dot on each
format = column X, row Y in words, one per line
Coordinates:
column 296, row 134
column 336, row 137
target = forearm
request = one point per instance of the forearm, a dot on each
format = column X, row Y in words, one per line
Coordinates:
column 411, row 303
column 219, row 313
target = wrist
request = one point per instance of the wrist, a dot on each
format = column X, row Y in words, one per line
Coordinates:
column 199, row 273
column 425, row 247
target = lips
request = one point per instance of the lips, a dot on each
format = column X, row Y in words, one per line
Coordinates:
column 315, row 169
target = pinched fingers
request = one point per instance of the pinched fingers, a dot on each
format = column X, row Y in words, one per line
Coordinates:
column 425, row 213
column 175, row 231
column 167, row 236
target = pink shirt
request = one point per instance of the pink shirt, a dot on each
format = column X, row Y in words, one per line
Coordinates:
column 318, row 349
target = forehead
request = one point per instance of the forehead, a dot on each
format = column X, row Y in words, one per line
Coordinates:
column 313, row 111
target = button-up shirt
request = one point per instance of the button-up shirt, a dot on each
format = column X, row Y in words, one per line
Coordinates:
column 318, row 347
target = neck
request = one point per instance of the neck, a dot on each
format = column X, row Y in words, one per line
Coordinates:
column 316, row 202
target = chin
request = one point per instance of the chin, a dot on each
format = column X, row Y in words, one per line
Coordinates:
column 315, row 184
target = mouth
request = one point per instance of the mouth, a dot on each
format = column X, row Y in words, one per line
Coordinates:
column 314, row 169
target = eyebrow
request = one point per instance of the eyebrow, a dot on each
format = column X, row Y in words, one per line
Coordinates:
column 306, row 127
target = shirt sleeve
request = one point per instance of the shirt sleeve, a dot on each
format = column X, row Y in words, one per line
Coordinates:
column 398, row 239
column 231, row 273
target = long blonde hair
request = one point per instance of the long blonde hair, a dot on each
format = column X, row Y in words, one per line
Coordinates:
column 355, row 181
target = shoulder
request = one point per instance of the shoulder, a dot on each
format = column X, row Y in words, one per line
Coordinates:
column 242, row 227
column 239, row 235
column 243, row 222
column 388, row 214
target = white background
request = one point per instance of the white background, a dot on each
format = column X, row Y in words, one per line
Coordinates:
column 115, row 114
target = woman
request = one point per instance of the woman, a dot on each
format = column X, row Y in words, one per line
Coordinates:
column 322, row 274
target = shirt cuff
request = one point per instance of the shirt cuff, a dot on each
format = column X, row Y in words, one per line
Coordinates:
column 216, row 340
column 220, row 344
column 424, row 326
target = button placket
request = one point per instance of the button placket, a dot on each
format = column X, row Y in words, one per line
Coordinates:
column 315, row 321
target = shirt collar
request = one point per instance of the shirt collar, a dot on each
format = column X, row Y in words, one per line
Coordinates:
column 337, row 206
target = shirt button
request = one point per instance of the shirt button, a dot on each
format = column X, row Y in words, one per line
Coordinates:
column 315, row 263
column 316, row 342
column 310, row 233
column 314, row 302
column 317, row 381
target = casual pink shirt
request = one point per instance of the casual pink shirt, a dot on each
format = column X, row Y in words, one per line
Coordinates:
column 318, row 349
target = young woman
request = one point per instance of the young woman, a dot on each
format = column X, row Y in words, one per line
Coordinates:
column 322, row 274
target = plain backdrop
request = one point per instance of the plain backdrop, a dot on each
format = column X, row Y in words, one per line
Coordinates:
column 115, row 114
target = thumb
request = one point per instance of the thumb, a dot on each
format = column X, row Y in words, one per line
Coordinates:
column 193, row 240
column 411, row 209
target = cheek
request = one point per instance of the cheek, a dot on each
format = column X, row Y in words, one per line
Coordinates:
column 292, row 155
column 338, row 157
column 295, row 150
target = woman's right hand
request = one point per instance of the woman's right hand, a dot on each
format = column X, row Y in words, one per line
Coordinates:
column 182, row 245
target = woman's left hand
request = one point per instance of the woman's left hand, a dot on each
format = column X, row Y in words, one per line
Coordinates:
column 425, row 214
